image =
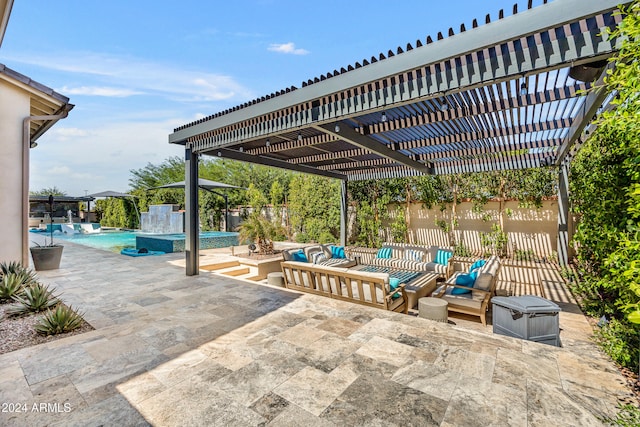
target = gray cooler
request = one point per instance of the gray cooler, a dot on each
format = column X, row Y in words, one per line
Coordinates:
column 527, row 317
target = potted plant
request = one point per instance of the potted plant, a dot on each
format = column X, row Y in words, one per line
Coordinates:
column 47, row 256
column 259, row 230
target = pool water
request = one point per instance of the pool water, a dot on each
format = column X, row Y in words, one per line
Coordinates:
column 115, row 241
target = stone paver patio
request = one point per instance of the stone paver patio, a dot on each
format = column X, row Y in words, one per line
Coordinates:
column 173, row 350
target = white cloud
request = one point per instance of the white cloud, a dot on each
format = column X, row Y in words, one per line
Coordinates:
column 101, row 157
column 59, row 170
column 111, row 75
column 287, row 48
column 62, row 133
column 98, row 91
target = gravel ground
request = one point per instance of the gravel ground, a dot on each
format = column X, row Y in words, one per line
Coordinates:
column 19, row 332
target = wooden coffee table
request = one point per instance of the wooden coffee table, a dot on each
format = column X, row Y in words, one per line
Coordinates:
column 420, row 287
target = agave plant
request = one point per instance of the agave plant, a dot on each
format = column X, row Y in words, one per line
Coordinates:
column 62, row 319
column 13, row 283
column 35, row 298
column 17, row 268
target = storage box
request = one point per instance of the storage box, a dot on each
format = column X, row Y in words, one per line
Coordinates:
column 527, row 317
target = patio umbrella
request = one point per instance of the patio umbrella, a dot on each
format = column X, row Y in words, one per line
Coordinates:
column 202, row 183
column 208, row 185
column 111, row 194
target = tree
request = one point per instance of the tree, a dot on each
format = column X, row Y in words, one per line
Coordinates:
column 55, row 191
column 258, row 229
column 314, row 208
column 605, row 191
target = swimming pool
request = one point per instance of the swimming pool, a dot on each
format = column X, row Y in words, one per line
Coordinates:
column 115, row 241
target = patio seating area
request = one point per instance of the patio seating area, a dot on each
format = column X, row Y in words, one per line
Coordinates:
column 170, row 349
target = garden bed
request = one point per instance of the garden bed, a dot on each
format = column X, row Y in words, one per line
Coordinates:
column 19, row 332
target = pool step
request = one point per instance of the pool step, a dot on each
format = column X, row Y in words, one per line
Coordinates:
column 220, row 265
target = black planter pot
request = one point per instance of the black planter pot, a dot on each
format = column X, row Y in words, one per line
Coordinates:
column 46, row 257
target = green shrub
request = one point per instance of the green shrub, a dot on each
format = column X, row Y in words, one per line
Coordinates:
column 62, row 319
column 10, row 267
column 34, row 299
column 13, row 283
column 461, row 250
column 628, row 416
column 620, row 341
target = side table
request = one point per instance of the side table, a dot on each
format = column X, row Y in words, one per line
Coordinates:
column 433, row 309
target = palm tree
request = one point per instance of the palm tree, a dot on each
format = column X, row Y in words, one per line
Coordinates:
column 256, row 228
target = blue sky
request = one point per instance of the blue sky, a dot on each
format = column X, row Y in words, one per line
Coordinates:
column 137, row 69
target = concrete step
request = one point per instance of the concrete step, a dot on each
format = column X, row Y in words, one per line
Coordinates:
column 220, row 265
column 240, row 271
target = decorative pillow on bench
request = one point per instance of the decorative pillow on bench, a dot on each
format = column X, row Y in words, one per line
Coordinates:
column 463, row 280
column 337, row 252
column 442, row 257
column 384, row 253
column 299, row 256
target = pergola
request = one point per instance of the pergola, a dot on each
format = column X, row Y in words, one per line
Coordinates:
column 519, row 92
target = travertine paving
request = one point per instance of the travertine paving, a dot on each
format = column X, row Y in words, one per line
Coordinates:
column 172, row 350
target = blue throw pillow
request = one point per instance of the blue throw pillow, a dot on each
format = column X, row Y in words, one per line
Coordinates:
column 337, row 252
column 384, row 253
column 442, row 257
column 394, row 282
column 299, row 256
column 474, row 274
column 463, row 280
column 477, row 264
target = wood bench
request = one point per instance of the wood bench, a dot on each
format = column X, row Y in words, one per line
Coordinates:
column 370, row 289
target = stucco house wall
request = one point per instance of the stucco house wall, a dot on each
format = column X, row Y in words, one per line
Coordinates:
column 15, row 104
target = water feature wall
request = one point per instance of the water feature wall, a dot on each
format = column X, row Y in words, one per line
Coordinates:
column 162, row 219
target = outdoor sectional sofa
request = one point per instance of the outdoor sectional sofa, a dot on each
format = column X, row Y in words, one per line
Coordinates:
column 370, row 289
column 432, row 259
column 476, row 300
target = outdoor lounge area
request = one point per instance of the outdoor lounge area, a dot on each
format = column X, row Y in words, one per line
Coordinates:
column 171, row 349
column 452, row 293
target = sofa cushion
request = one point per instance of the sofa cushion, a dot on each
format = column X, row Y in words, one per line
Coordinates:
column 442, row 256
column 338, row 262
column 309, row 251
column 318, row 257
column 477, row 264
column 384, row 253
column 414, row 255
column 436, row 268
column 337, row 252
column 431, row 253
column 299, row 256
column 394, row 282
column 463, row 280
column 286, row 254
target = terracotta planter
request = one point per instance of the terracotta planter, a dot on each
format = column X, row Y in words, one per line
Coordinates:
column 46, row 257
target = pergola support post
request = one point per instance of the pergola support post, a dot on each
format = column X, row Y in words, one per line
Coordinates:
column 563, row 214
column 192, row 244
column 343, row 213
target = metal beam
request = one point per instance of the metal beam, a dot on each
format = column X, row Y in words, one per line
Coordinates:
column 592, row 103
column 343, row 213
column 292, row 144
column 348, row 134
column 563, row 215
column 268, row 161
column 192, row 232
